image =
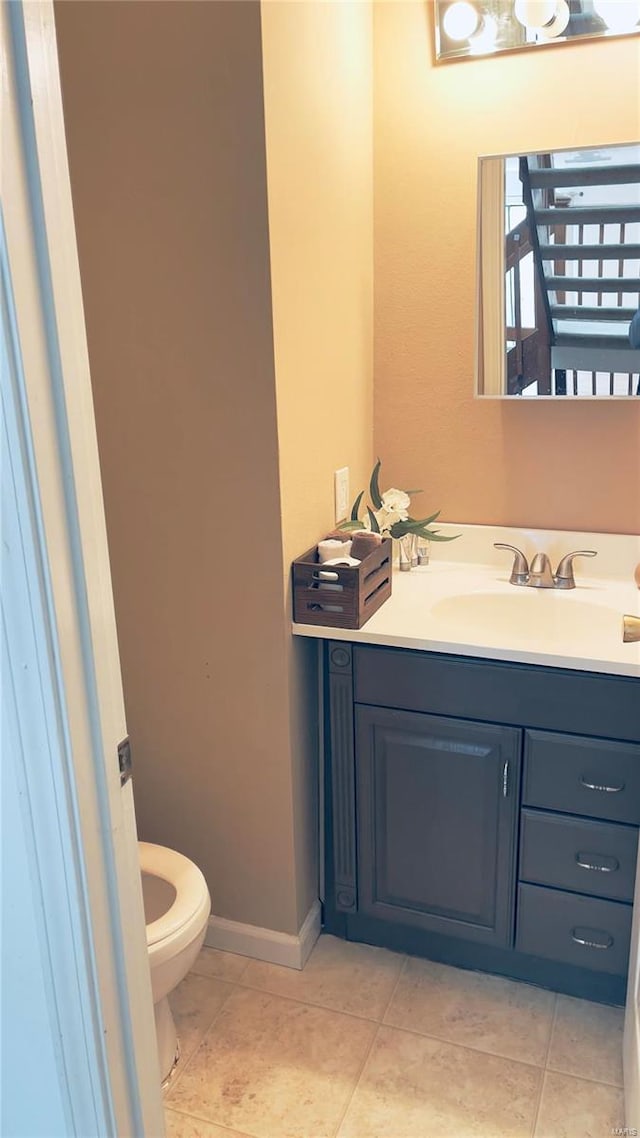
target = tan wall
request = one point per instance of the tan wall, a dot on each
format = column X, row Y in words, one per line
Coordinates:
column 562, row 465
column 317, row 61
column 318, row 113
column 164, row 113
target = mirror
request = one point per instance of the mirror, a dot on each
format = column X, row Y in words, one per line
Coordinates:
column 558, row 313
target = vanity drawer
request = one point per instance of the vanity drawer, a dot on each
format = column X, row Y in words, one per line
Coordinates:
column 497, row 691
column 595, row 777
column 574, row 929
column 575, row 853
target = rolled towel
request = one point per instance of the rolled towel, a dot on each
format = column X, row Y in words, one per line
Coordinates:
column 350, row 561
column 332, row 547
column 365, row 543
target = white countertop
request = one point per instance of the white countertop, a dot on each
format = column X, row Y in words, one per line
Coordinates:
column 462, row 603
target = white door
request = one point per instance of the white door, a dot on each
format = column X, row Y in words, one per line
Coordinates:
column 71, row 845
column 631, row 1048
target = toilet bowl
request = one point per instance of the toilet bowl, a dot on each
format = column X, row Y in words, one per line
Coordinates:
column 176, row 909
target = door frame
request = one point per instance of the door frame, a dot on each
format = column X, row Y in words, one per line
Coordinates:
column 86, row 816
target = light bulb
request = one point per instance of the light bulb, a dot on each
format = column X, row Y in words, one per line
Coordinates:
column 534, row 13
column 484, row 40
column 559, row 21
column 460, row 20
column 618, row 15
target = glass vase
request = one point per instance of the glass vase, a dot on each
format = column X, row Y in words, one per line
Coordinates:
column 407, row 552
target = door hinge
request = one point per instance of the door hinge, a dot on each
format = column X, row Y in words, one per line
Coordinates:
column 124, row 760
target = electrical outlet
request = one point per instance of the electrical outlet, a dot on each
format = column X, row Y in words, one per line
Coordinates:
column 341, row 492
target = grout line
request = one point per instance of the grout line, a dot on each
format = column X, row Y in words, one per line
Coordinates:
column 401, row 973
column 536, row 1112
column 585, row 1078
column 215, row 976
column 572, row 1074
column 553, row 1027
column 210, row 1122
column 222, row 952
column 326, row 1007
column 365, row 1060
column 464, row 1046
column 308, row 1003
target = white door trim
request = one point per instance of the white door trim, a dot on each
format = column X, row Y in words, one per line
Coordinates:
column 58, row 413
column 631, row 1043
column 35, row 741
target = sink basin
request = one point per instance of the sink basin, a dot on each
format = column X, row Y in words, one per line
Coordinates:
column 528, row 615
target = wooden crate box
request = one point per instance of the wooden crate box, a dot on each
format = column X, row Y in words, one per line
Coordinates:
column 341, row 596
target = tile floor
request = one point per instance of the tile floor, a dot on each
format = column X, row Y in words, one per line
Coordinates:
column 366, row 1043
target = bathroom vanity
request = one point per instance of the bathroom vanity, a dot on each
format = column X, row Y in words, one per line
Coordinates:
column 482, row 792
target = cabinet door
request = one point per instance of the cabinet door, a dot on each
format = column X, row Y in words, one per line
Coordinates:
column 437, row 812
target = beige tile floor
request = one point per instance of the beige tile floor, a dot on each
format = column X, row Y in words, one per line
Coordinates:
column 366, row 1043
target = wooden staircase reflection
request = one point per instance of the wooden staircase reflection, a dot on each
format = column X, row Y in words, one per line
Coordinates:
column 563, row 248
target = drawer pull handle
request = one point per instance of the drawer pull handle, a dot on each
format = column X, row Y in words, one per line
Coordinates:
column 505, row 780
column 587, row 943
column 606, row 789
column 600, row 865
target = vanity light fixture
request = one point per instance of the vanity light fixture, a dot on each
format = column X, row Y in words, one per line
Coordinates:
column 469, row 28
column 460, row 21
column 558, row 24
column 534, row 13
column 484, row 41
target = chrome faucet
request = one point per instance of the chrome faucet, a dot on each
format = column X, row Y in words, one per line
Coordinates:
column 520, row 569
column 564, row 578
column 540, row 576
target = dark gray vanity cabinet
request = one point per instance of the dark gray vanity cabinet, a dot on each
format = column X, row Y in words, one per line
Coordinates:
column 483, row 813
column 436, row 822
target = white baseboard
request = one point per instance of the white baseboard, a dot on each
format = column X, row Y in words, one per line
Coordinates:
column 266, row 944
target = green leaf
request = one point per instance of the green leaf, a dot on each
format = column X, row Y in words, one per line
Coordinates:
column 433, row 535
column 356, row 507
column 348, row 526
column 374, row 489
column 414, row 524
column 375, row 528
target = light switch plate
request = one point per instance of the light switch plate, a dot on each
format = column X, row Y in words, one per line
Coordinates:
column 341, row 493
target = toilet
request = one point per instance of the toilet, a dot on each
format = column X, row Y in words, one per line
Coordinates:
column 176, row 909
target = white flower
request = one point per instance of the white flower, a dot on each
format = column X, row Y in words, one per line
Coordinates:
column 392, row 517
column 387, row 517
column 397, row 501
column 394, row 509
